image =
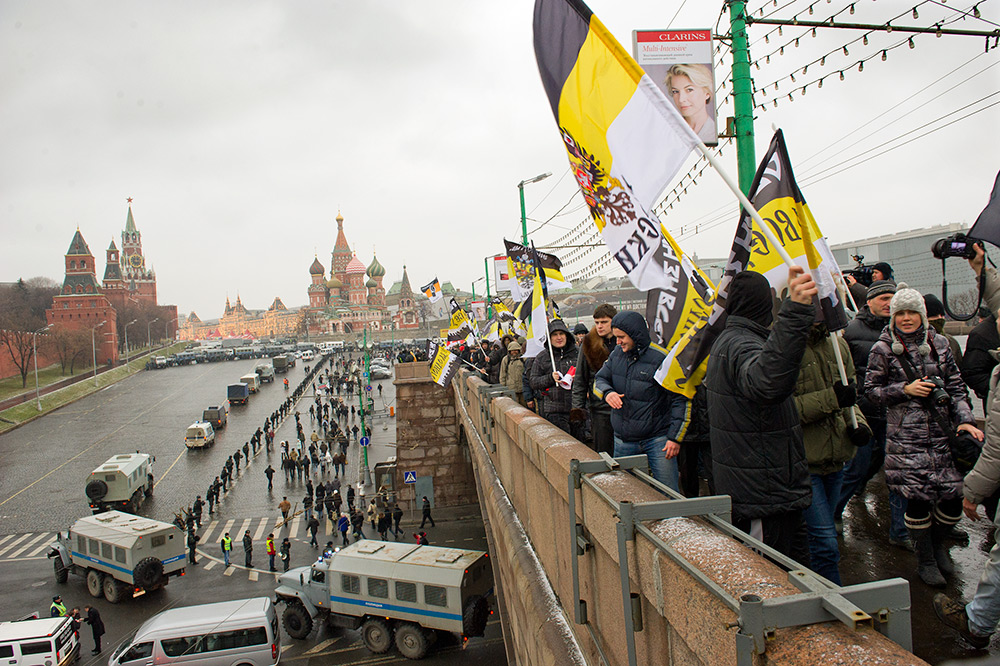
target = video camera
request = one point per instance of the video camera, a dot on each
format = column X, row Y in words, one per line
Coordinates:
column 861, row 273
column 956, row 245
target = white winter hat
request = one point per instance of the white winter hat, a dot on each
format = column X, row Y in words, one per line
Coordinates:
column 907, row 298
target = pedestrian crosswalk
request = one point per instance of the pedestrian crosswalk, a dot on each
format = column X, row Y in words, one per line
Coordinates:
column 25, row 546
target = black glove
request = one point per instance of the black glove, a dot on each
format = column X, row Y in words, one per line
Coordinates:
column 847, row 394
column 859, row 436
column 576, row 414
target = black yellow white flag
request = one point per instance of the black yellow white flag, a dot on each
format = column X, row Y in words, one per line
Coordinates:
column 433, row 291
column 460, row 327
column 625, row 141
column 520, row 265
column 443, row 364
column 780, row 203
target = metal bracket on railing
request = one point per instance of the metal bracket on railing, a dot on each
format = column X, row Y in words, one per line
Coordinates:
column 883, row 605
column 487, row 424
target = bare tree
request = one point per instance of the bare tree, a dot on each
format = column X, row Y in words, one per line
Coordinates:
column 69, row 345
column 22, row 311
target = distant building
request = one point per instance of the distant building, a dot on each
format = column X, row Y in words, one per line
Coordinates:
column 238, row 322
column 347, row 302
column 909, row 255
column 82, row 305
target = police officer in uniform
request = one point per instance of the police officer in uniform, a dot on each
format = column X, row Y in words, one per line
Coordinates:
column 57, row 609
column 227, row 547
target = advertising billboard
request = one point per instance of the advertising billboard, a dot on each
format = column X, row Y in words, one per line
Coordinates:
column 680, row 63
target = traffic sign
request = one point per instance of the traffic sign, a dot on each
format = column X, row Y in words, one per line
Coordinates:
column 365, row 441
column 369, row 388
column 409, row 477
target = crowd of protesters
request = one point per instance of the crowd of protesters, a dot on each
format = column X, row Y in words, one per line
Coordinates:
column 774, row 426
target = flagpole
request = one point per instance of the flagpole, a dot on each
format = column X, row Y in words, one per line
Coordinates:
column 746, row 204
column 843, row 375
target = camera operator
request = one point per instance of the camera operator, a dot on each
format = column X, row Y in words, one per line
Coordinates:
column 911, row 372
column 977, row 362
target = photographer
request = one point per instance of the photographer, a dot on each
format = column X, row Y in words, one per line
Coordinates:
column 912, row 373
column 978, row 363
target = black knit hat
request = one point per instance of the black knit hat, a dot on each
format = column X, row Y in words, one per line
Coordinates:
column 935, row 308
column 580, row 328
column 880, row 287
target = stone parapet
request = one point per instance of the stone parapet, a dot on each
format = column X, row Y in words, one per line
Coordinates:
column 684, row 621
column 427, row 439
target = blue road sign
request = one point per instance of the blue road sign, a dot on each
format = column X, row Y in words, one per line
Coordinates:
column 409, row 477
column 365, row 441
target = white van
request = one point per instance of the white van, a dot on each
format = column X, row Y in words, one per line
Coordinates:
column 49, row 641
column 252, row 381
column 244, row 631
column 199, row 434
column 307, row 355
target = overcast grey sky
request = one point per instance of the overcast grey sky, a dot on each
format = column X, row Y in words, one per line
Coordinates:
column 241, row 128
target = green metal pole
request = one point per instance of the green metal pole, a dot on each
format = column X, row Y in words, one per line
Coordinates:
column 361, row 408
column 524, row 217
column 746, row 159
column 486, row 265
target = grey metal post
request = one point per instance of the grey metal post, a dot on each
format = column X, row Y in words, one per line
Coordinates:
column 625, row 534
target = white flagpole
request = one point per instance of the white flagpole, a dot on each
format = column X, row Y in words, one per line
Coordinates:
column 775, row 243
column 746, row 204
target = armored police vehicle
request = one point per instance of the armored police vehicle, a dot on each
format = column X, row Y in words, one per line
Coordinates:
column 121, row 483
column 391, row 589
column 121, row 555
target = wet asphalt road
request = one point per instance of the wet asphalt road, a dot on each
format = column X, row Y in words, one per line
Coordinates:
column 866, row 555
column 44, row 464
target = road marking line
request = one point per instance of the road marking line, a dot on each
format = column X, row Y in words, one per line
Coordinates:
column 39, row 549
column 211, row 526
column 157, row 482
column 260, row 530
column 253, row 575
column 322, row 646
column 244, row 527
column 294, row 529
column 28, row 545
column 211, row 565
column 5, row 539
column 15, row 542
column 229, row 571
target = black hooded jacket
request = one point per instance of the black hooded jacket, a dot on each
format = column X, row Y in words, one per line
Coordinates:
column 648, row 410
column 555, row 399
column 861, row 335
column 757, row 450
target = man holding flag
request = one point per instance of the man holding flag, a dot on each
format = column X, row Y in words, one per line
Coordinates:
column 645, row 417
column 757, row 450
column 554, row 383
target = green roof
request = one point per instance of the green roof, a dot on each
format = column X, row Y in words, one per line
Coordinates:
column 78, row 246
column 130, row 223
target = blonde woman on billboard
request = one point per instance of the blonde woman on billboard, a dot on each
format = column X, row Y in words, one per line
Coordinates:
column 690, row 87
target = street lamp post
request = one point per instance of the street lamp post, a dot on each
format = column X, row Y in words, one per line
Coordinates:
column 34, row 354
column 524, row 218
column 166, row 328
column 149, row 341
column 126, row 340
column 93, row 343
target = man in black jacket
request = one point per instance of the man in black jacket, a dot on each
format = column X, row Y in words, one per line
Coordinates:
column 757, row 451
column 597, row 346
column 646, row 417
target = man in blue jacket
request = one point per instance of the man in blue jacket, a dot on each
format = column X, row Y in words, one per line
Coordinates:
column 645, row 417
